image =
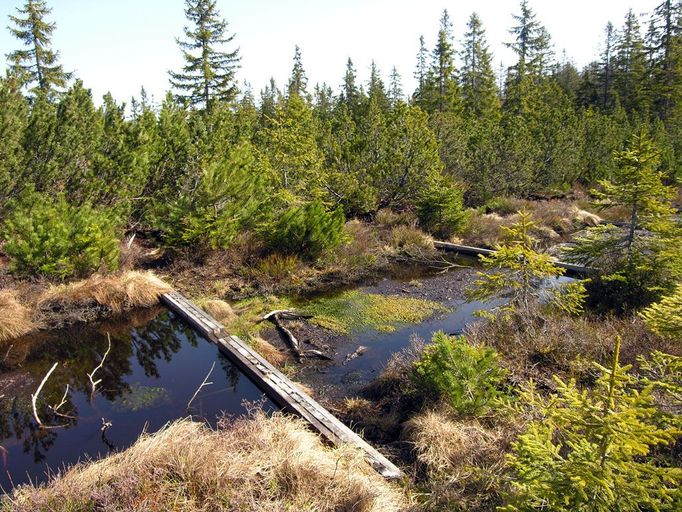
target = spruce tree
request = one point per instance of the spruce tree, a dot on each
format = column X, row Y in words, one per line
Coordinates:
column 209, row 72
column 531, row 45
column 517, row 272
column 479, row 92
column 395, row 88
column 37, row 65
column 630, row 68
column 594, row 449
column 440, row 92
column 298, row 81
column 639, row 262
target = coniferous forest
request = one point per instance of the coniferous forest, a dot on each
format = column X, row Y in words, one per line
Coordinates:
column 559, row 399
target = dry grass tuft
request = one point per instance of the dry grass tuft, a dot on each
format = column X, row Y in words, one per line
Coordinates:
column 409, row 238
column 15, row 318
column 218, row 309
column 117, row 292
column 447, row 446
column 270, row 353
column 257, row 464
column 540, row 344
column 463, row 460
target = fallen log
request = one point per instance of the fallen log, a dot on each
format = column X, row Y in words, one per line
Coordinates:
column 276, row 318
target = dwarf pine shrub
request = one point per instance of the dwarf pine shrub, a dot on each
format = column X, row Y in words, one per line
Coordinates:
column 468, row 377
column 306, row 230
column 52, row 237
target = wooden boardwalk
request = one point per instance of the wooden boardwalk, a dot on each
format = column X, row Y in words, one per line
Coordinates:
column 275, row 385
column 475, row 251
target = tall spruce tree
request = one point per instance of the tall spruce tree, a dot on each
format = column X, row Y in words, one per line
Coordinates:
column 630, row 67
column 298, row 81
column 479, row 92
column 531, row 45
column 209, row 72
column 440, row 91
column 37, row 65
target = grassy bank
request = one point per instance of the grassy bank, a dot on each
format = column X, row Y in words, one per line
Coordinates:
column 255, row 464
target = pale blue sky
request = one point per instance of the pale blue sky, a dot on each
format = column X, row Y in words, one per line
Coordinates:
column 120, row 45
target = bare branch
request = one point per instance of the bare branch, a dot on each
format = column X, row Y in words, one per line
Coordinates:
column 34, row 396
column 204, row 383
column 94, row 383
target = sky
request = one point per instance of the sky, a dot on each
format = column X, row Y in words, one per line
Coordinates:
column 121, row 45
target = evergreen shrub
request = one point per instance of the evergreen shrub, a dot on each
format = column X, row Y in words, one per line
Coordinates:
column 440, row 208
column 468, row 377
column 52, row 237
column 307, row 230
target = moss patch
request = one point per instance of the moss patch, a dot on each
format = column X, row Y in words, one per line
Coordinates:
column 354, row 310
column 142, row 397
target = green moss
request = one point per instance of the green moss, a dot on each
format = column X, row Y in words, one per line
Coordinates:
column 354, row 310
column 250, row 311
column 142, row 397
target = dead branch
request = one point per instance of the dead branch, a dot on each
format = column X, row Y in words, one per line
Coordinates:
column 289, row 336
column 94, row 383
column 418, row 256
column 34, row 396
column 55, row 408
column 276, row 318
column 204, row 383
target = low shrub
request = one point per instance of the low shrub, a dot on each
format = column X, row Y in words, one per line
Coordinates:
column 468, row 377
column 592, row 450
column 440, row 209
column 52, row 237
column 277, row 266
column 409, row 238
column 306, row 230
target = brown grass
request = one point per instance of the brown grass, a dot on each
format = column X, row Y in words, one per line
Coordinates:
column 218, row 309
column 117, row 292
column 15, row 318
column 542, row 344
column 462, row 461
column 258, row 464
column 270, row 353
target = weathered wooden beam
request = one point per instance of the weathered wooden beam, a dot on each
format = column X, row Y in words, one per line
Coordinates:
column 275, row 385
column 475, row 251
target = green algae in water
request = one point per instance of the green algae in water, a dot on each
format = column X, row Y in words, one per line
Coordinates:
column 354, row 310
column 142, row 397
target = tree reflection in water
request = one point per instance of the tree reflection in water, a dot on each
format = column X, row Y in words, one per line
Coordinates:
column 155, row 337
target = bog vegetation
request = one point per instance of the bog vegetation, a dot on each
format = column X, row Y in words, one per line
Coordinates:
column 558, row 399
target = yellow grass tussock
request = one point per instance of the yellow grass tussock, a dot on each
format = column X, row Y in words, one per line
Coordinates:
column 257, row 464
column 15, row 318
column 219, row 309
column 118, row 292
column 268, row 351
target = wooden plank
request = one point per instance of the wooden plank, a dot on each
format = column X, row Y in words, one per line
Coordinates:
column 276, row 385
column 475, row 251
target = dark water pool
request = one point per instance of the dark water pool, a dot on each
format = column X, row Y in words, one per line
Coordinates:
column 346, row 375
column 155, row 365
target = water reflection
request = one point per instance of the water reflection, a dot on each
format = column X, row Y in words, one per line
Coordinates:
column 154, row 366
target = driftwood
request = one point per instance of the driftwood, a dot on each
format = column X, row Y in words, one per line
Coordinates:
column 34, row 396
column 276, row 318
column 93, row 383
column 356, row 353
column 204, row 383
